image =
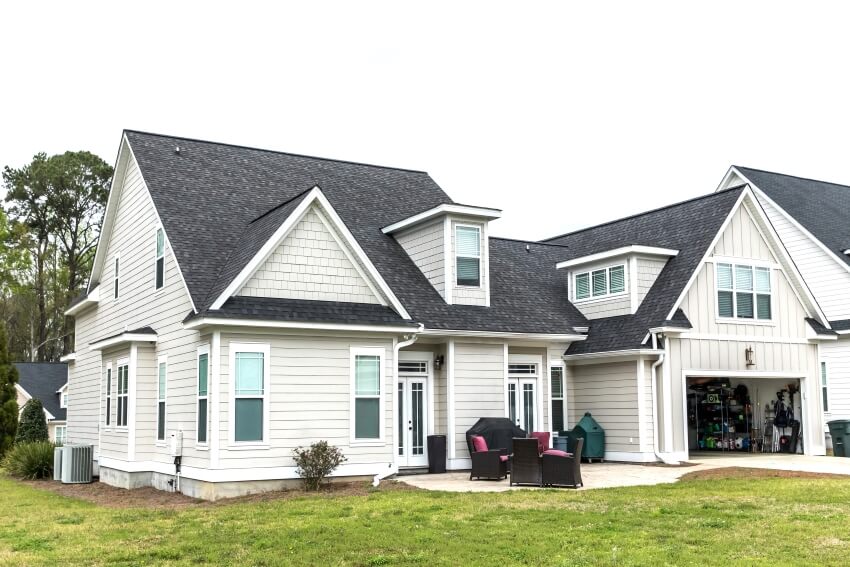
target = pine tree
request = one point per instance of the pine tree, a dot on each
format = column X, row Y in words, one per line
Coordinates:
column 33, row 424
column 8, row 396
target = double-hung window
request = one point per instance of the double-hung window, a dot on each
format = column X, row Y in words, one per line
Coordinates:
column 115, row 278
column 160, row 259
column 60, row 434
column 162, row 392
column 602, row 282
column 557, row 388
column 250, row 392
column 824, row 386
column 468, row 255
column 203, row 395
column 123, row 394
column 367, row 367
column 108, row 395
column 743, row 292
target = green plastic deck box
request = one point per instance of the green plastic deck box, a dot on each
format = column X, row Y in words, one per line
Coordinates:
column 594, row 437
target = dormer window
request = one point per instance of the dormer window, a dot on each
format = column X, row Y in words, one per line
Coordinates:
column 600, row 283
column 468, row 255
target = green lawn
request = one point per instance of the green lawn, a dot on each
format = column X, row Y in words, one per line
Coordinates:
column 735, row 521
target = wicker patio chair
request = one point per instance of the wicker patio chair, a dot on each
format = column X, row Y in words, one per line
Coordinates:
column 563, row 469
column 525, row 465
column 487, row 463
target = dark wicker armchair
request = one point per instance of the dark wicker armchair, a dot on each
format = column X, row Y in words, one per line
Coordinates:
column 561, row 470
column 488, row 463
column 526, row 464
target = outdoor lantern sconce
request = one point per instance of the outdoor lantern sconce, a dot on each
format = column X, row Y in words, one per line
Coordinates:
column 438, row 362
column 750, row 355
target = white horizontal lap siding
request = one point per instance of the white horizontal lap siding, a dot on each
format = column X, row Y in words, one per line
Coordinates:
column 462, row 295
column 609, row 393
column 648, row 270
column 425, row 247
column 310, row 264
column 479, row 384
column 829, row 282
column 310, row 389
column 836, row 354
column 139, row 305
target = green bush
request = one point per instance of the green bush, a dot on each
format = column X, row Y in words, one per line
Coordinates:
column 30, row 460
column 317, row 463
column 33, row 425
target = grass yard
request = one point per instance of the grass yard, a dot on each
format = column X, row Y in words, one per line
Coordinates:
column 741, row 519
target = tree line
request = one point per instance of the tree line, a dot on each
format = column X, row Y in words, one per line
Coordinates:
column 49, row 225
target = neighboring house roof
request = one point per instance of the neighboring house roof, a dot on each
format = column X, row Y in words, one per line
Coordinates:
column 822, row 208
column 220, row 203
column 42, row 380
column 689, row 227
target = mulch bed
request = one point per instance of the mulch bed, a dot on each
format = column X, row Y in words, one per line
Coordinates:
column 113, row 497
column 744, row 473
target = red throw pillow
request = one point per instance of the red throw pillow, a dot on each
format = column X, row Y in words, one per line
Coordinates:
column 542, row 440
column 479, row 443
column 557, row 452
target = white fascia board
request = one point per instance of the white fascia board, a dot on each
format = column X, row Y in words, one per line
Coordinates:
column 255, row 323
column 91, row 299
column 62, row 389
column 465, row 210
column 23, row 392
column 122, row 339
column 315, row 195
column 623, row 251
column 668, row 330
column 614, row 354
column 70, row 357
column 504, row 335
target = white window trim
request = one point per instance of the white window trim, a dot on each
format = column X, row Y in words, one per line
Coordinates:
column 368, row 351
column 555, row 364
column 64, row 429
column 607, row 296
column 734, row 320
column 156, row 258
column 264, row 348
column 118, row 364
column 823, row 369
column 203, row 349
column 116, row 277
column 161, row 442
column 537, row 360
column 109, row 393
column 480, row 258
column 63, row 399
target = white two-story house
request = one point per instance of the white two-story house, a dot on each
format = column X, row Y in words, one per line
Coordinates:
column 249, row 302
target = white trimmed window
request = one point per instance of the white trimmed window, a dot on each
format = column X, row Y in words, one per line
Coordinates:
column 108, row 419
column 60, row 434
column 601, row 282
column 367, row 369
column 161, row 394
column 63, row 399
column 468, row 255
column 557, row 388
column 203, row 394
column 159, row 262
column 123, row 394
column 824, row 386
column 250, row 367
column 115, row 285
column 743, row 292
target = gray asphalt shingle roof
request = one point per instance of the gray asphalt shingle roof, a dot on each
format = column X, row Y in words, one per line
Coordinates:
column 212, row 199
column 41, row 380
column 822, row 208
column 688, row 227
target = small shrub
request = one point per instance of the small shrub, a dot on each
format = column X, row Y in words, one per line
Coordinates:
column 33, row 425
column 30, row 460
column 317, row 463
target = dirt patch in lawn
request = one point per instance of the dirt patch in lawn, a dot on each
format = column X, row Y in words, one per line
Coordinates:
column 744, row 473
column 113, row 497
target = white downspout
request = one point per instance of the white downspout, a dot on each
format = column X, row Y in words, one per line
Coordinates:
column 397, row 346
column 661, row 357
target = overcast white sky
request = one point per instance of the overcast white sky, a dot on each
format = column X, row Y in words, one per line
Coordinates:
column 564, row 115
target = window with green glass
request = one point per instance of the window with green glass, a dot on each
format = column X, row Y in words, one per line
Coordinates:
column 203, row 397
column 250, row 390
column 582, row 286
column 743, row 291
column 367, row 396
column 468, row 255
column 160, row 402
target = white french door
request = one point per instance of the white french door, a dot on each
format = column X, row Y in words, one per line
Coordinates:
column 522, row 403
column 412, row 412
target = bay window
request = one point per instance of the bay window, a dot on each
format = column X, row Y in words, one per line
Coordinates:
column 123, row 394
column 162, row 388
column 203, row 395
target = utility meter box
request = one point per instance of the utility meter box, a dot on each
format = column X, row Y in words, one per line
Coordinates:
column 175, row 444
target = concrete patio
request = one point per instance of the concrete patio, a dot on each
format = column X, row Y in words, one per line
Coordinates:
column 610, row 475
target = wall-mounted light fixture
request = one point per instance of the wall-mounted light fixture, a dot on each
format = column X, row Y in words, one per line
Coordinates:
column 750, row 355
column 438, row 362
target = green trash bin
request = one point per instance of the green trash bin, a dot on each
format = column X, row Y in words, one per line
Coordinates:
column 594, row 438
column 839, row 430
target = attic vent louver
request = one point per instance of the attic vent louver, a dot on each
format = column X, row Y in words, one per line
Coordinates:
column 177, row 150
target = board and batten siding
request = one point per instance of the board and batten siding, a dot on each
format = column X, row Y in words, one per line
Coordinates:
column 133, row 237
column 426, row 247
column 310, row 264
column 829, row 282
column 599, row 307
column 309, row 399
column 610, row 393
column 479, row 388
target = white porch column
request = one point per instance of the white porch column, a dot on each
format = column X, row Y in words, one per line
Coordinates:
column 450, row 395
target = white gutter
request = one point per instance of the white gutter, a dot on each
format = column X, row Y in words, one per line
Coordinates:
column 661, row 357
column 409, row 340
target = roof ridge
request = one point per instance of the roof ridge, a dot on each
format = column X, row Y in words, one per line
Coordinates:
column 789, row 175
column 254, row 148
column 283, row 204
column 670, row 206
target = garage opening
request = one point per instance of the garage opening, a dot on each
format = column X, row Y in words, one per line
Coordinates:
column 744, row 415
